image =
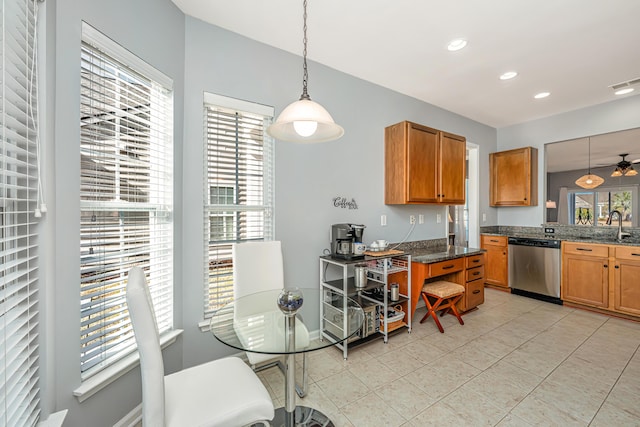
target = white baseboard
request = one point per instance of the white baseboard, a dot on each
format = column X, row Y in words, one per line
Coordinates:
column 133, row 418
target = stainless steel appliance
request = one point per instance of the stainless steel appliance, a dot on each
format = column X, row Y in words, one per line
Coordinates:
column 343, row 239
column 333, row 316
column 534, row 268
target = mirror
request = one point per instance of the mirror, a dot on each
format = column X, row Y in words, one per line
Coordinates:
column 566, row 161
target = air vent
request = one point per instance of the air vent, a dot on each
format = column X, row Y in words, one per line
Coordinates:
column 625, row 84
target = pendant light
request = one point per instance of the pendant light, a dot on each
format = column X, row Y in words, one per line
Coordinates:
column 589, row 180
column 305, row 121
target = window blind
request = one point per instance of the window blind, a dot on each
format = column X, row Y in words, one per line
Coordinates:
column 126, row 196
column 19, row 379
column 238, row 190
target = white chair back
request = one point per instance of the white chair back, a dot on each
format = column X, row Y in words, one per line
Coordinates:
column 257, row 266
column 145, row 329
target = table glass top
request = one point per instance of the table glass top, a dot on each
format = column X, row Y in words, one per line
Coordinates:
column 255, row 323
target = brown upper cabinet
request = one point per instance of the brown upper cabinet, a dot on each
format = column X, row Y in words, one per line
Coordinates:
column 423, row 165
column 514, row 177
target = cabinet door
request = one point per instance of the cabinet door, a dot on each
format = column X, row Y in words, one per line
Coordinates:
column 453, row 151
column 585, row 280
column 422, row 164
column 496, row 269
column 627, row 286
column 512, row 177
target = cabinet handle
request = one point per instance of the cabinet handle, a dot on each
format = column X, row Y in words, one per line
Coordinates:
column 477, row 291
column 606, row 266
column 448, row 267
column 617, row 266
column 584, row 249
column 476, row 273
column 525, row 199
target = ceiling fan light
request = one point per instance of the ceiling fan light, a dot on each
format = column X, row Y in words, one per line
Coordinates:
column 617, row 172
column 589, row 181
column 631, row 172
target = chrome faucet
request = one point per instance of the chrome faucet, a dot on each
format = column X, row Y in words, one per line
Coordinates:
column 621, row 234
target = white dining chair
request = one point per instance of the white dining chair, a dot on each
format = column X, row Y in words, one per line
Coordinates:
column 258, row 266
column 223, row 392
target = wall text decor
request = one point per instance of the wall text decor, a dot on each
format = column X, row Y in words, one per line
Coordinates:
column 341, row 202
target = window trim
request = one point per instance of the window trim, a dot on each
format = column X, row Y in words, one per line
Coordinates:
column 103, row 378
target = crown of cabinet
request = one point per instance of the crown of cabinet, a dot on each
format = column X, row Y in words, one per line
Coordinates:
column 514, row 177
column 423, row 165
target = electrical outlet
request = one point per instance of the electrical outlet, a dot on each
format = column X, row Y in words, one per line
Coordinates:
column 383, row 220
column 421, row 219
column 549, row 230
column 412, row 219
column 438, row 218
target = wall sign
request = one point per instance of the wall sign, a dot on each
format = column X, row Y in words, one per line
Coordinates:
column 342, row 202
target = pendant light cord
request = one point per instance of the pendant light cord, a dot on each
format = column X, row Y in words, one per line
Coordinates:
column 305, row 72
column 589, row 159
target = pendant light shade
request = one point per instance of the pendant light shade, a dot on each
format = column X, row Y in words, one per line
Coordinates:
column 305, row 121
column 589, row 180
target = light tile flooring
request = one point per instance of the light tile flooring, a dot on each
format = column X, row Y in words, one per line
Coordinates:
column 515, row 362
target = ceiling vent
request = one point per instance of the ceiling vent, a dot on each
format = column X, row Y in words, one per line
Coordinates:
column 625, row 84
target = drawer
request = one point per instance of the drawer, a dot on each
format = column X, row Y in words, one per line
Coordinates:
column 628, row 252
column 475, row 273
column 474, row 293
column 445, row 267
column 494, row 240
column 474, row 261
column 585, row 249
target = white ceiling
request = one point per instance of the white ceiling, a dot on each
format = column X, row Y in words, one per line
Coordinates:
column 574, row 49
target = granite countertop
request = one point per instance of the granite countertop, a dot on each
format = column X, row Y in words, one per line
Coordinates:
column 605, row 240
column 440, row 253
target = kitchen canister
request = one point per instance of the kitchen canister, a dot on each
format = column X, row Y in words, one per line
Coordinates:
column 395, row 292
column 360, row 275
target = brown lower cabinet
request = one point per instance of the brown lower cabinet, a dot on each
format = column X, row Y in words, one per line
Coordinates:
column 585, row 271
column 602, row 276
column 496, row 269
column 626, row 282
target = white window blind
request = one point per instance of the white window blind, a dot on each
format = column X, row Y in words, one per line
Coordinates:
column 238, row 190
column 126, row 196
column 19, row 379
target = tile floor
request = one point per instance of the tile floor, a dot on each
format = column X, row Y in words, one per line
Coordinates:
column 515, row 362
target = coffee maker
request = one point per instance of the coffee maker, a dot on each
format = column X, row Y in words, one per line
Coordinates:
column 343, row 239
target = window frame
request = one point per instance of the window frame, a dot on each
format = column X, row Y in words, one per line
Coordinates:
column 129, row 139
column 635, row 202
column 209, row 208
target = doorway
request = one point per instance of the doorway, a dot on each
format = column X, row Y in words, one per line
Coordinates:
column 464, row 220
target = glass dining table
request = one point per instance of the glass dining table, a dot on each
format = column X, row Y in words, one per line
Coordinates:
column 266, row 322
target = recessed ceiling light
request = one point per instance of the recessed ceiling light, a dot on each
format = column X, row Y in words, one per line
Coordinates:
column 508, row 75
column 542, row 95
column 624, row 91
column 456, row 44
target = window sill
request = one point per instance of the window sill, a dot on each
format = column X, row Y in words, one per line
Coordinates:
column 92, row 385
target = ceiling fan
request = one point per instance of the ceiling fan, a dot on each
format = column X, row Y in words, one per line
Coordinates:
column 625, row 167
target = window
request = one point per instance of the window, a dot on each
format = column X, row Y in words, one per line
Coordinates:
column 238, row 196
column 19, row 282
column 126, row 197
column 593, row 207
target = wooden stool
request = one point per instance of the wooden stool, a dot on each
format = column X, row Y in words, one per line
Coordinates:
column 442, row 292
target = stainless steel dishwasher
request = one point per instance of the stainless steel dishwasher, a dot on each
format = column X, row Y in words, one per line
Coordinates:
column 534, row 268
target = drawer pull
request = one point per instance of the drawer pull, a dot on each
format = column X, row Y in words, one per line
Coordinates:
column 635, row 254
column 584, row 249
column 477, row 260
column 448, row 267
column 475, row 273
column 477, row 291
column 496, row 241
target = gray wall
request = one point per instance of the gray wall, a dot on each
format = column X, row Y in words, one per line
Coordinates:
column 307, row 177
column 160, row 42
column 199, row 58
column 609, row 117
